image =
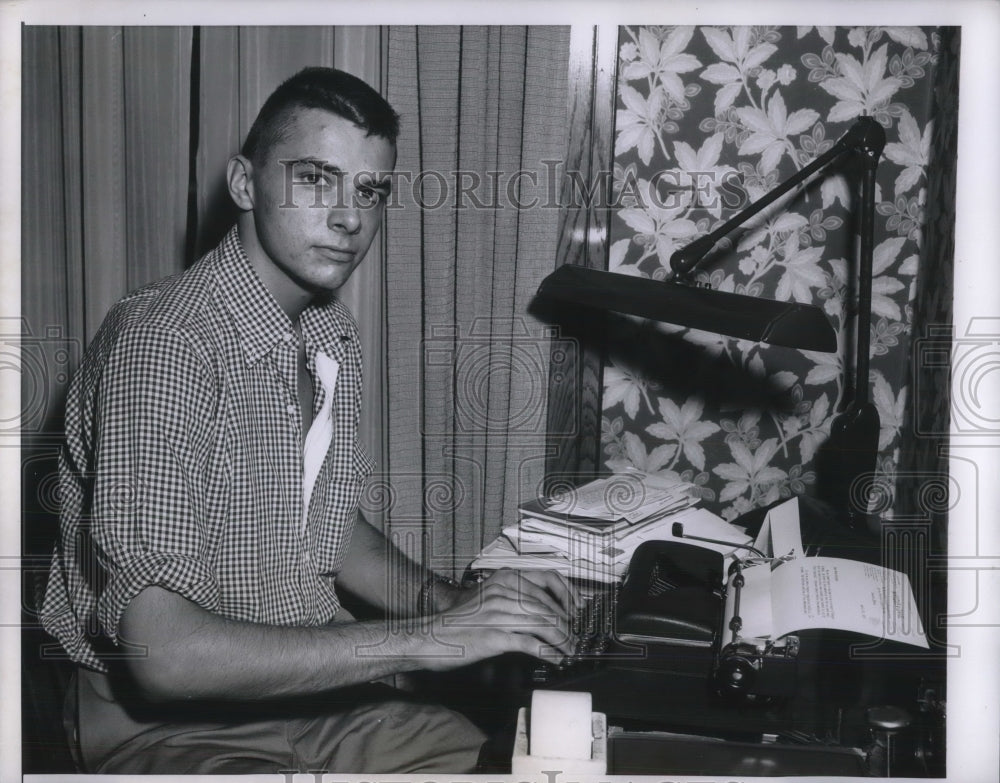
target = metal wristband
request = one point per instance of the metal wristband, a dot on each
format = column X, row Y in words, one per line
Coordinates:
column 425, row 598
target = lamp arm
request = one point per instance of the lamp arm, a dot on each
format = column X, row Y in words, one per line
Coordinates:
column 872, row 150
column 863, row 135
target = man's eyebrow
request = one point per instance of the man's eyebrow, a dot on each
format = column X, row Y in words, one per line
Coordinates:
column 322, row 165
column 384, row 184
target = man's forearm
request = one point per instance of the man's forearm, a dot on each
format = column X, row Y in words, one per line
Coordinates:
column 193, row 653
column 376, row 571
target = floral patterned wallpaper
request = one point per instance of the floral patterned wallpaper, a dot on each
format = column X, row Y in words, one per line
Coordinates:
column 709, row 119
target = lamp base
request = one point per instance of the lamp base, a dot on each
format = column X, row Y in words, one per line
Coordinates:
column 847, row 462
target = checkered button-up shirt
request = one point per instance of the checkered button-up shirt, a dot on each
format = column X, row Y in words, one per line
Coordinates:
column 183, row 463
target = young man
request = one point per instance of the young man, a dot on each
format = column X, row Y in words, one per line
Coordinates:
column 211, row 479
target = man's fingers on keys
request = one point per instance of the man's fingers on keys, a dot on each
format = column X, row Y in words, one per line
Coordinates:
column 540, row 647
column 528, row 592
column 530, row 610
column 536, row 583
column 557, row 634
column 531, row 618
column 557, row 585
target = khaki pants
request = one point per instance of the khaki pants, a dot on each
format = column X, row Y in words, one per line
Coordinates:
column 370, row 728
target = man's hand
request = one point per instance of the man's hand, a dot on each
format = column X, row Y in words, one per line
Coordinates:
column 511, row 611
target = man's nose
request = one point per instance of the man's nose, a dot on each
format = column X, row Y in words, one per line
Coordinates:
column 345, row 218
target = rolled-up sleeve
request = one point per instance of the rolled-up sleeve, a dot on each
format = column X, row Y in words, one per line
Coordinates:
column 155, row 412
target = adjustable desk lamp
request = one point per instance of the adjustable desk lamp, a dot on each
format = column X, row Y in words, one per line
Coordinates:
column 853, row 443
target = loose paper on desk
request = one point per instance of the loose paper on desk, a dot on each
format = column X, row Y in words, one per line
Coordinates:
column 829, row 592
column 629, row 496
column 500, row 553
column 781, row 533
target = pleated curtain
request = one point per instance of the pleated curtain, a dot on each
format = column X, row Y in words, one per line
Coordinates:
column 467, row 365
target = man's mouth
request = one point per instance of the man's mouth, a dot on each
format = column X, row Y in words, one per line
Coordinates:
column 336, row 254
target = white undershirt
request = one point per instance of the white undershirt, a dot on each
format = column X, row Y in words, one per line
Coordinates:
column 320, row 434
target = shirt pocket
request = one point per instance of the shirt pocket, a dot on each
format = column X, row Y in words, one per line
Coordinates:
column 341, row 496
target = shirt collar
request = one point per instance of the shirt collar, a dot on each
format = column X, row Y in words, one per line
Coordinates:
column 260, row 321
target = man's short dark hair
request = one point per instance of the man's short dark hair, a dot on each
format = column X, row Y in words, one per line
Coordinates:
column 329, row 89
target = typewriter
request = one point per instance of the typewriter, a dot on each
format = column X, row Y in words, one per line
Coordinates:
column 676, row 611
column 664, row 656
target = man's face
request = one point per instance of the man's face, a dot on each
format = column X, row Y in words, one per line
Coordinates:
column 319, row 198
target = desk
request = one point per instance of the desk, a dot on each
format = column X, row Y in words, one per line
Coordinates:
column 822, row 728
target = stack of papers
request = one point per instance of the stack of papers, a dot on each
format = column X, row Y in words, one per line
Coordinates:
column 592, row 533
column 617, row 501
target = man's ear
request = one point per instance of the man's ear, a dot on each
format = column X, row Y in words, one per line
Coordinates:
column 239, row 179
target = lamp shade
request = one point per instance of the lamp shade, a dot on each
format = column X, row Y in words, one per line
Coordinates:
column 789, row 324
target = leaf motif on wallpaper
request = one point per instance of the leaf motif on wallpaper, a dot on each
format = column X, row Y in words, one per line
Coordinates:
column 616, row 259
column 905, row 215
column 912, row 152
column 683, row 424
column 622, row 386
column 637, row 457
column 833, row 292
column 755, row 364
column 638, row 122
column 885, row 336
column 784, row 379
column 821, row 66
column 745, row 430
column 819, row 224
column 891, row 409
column 909, row 267
column 750, row 471
column 767, row 78
column 883, row 285
column 730, row 82
column 662, row 61
column 862, row 87
column 835, row 188
column 700, row 173
column 782, row 223
column 827, row 33
column 819, row 428
column 769, row 130
column 657, row 223
column 738, row 46
column 913, row 37
column 827, row 367
column 802, row 272
column 740, row 57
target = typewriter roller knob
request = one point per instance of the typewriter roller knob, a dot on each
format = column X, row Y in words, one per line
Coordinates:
column 735, row 674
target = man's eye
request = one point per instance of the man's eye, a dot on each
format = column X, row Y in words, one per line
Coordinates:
column 310, row 177
column 368, row 198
